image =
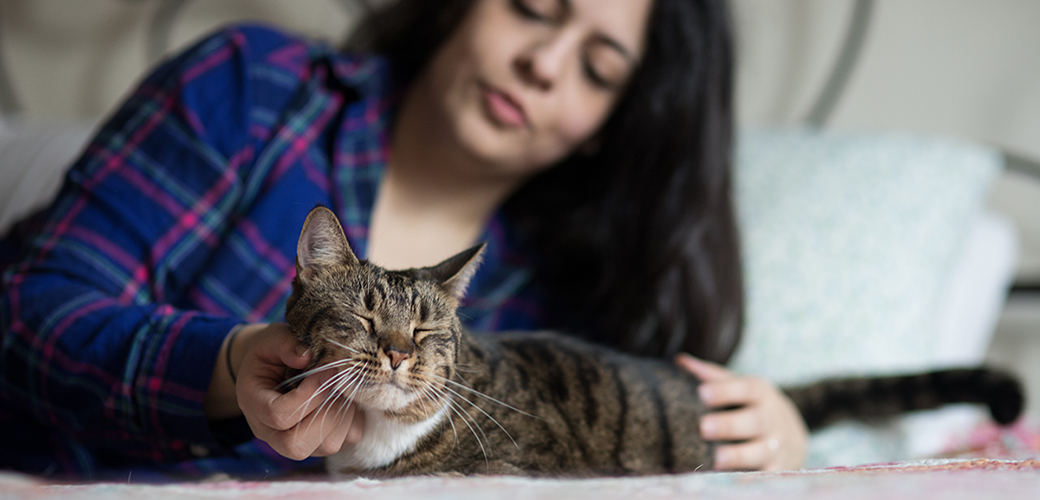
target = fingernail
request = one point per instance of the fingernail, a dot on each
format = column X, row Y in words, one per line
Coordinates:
column 706, row 393
column 302, row 350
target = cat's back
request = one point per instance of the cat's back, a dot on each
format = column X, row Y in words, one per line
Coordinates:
column 572, row 405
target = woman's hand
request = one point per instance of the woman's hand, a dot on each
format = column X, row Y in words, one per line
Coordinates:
column 296, row 424
column 773, row 434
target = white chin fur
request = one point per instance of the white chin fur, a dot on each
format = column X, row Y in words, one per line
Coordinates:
column 384, row 397
column 383, row 442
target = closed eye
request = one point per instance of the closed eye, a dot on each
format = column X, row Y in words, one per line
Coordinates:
column 593, row 75
column 368, row 323
column 527, row 11
column 419, row 334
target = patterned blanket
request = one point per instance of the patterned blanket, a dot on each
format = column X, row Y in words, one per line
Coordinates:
column 1010, row 470
column 945, row 479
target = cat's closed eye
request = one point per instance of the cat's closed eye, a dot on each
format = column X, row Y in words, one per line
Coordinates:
column 369, row 324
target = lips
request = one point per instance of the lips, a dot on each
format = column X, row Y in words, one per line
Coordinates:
column 502, row 108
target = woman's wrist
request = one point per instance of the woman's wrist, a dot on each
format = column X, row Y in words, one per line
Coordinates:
column 230, row 341
column 221, row 401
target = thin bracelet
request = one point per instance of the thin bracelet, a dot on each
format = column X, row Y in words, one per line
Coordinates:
column 227, row 354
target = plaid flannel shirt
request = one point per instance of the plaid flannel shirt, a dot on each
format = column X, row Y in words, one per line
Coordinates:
column 178, row 222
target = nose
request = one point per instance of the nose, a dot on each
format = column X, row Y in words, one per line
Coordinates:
column 543, row 63
column 396, row 356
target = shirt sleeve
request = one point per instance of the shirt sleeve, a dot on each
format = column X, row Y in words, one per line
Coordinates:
column 95, row 344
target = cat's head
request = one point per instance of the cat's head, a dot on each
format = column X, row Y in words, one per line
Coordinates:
column 393, row 336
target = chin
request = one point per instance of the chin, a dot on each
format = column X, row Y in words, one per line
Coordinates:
column 497, row 151
column 384, row 397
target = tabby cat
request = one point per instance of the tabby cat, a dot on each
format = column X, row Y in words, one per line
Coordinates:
column 439, row 399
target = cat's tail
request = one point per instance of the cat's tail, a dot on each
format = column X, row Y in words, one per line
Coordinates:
column 824, row 402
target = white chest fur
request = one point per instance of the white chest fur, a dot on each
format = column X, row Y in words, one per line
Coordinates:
column 384, row 440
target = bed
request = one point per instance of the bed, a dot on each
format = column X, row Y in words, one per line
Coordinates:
column 946, row 479
column 865, row 253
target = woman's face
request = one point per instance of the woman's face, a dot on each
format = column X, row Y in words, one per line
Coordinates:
column 523, row 83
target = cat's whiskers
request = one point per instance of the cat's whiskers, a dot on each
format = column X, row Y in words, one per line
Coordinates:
column 428, row 381
column 465, row 367
column 423, row 386
column 419, row 383
column 455, row 407
column 357, row 386
column 422, row 403
column 429, row 392
column 446, row 393
column 318, row 369
column 486, row 414
column 330, row 389
column 455, row 433
column 344, row 346
column 333, row 380
column 340, row 391
column 335, row 392
column 485, row 396
column 321, row 390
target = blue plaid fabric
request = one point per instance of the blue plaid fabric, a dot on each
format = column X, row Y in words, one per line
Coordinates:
column 178, row 222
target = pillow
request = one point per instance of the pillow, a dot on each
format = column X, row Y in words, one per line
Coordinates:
column 969, row 307
column 970, row 304
column 850, row 245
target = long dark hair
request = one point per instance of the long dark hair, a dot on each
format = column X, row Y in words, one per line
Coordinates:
column 637, row 242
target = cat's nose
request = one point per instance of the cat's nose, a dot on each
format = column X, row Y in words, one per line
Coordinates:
column 396, row 357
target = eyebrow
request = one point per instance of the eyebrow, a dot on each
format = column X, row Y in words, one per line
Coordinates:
column 568, row 9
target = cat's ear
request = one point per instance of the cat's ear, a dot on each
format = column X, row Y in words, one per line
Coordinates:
column 455, row 272
column 322, row 242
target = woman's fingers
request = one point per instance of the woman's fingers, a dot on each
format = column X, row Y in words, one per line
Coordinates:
column 732, row 392
column 773, row 433
column 704, row 370
column 320, row 434
column 721, row 387
column 300, row 423
column 261, row 400
column 752, row 455
column 285, row 411
column 755, row 412
column 304, row 423
column 339, row 418
column 735, row 425
column 276, row 346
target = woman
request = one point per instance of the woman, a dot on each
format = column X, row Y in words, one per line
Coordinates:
column 587, row 140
